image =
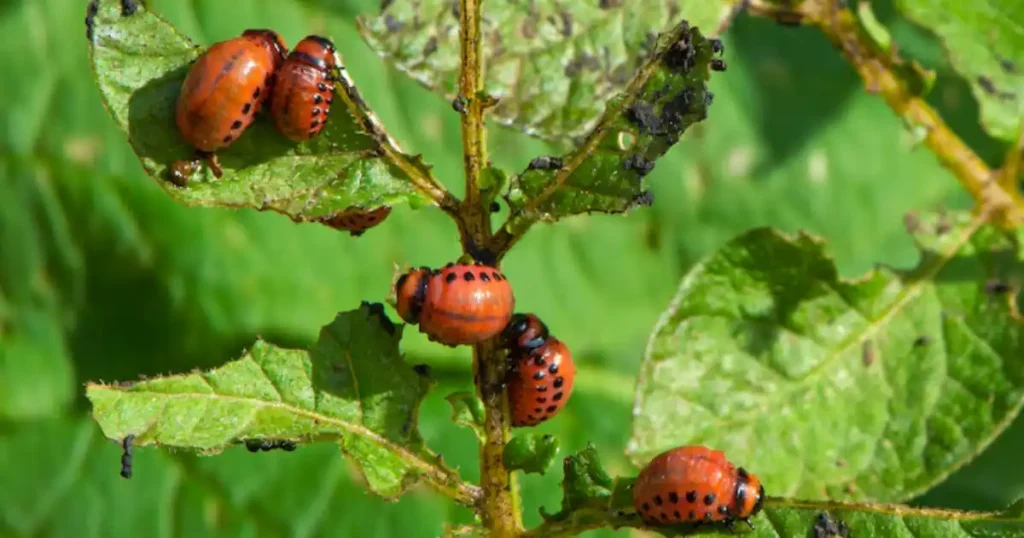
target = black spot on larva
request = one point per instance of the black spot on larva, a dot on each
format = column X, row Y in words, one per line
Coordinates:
column 664, row 517
column 922, row 341
column 497, row 276
column 451, row 277
column 484, row 277
column 723, row 509
column 468, row 276
column 227, row 139
column 692, row 515
column 545, row 163
column 709, row 499
column 677, row 514
column 538, row 410
column 256, row 93
column 316, row 112
column 531, row 417
column 90, row 19
column 552, row 408
column 236, row 125
column 673, row 497
column 559, row 381
column 246, row 108
column 129, row 7
column 314, row 124
column 321, row 86
column 707, row 516
column 639, row 163
column 540, row 388
column 329, row 100
column 542, row 400
column 540, row 375
column 646, row 507
column 691, row 497
column 558, row 396
column 657, row 500
column 539, row 361
column 327, row 112
column 449, row 264
column 553, row 368
column 317, row 98
column 997, row 287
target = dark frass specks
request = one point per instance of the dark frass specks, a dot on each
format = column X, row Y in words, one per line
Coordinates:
column 266, row 445
column 545, row 163
column 90, row 19
column 127, row 454
column 129, row 7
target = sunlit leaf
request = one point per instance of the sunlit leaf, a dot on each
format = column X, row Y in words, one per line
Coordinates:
column 552, row 65
column 352, row 387
column 765, row 352
column 530, row 452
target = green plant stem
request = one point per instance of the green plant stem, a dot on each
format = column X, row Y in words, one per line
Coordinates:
column 475, row 219
column 880, row 72
column 499, row 506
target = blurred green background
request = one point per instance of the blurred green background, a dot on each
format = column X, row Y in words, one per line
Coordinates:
column 103, row 277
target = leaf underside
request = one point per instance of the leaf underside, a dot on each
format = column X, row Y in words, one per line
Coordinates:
column 552, row 65
column 140, row 61
column 883, row 385
column 352, row 387
column 984, row 42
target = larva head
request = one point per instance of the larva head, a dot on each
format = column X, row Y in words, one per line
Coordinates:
column 271, row 41
column 749, row 496
column 410, row 289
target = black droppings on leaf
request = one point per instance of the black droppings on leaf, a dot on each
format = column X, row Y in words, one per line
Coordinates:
column 129, row 7
column 645, row 199
column 459, row 104
column 545, row 163
column 997, row 287
column 430, row 47
column 126, row 456
column 90, row 19
column 377, row 310
column 922, row 341
column 641, row 114
column 826, row 527
column 392, row 24
column 987, row 85
column 716, row 46
column 1007, row 65
column 495, row 207
column 681, row 56
column 638, row 163
column 422, row 370
column 718, row 64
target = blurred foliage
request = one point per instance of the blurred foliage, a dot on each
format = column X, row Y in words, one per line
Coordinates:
column 104, row 277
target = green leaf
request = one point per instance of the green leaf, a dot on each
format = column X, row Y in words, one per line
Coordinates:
column 139, row 61
column 605, row 173
column 552, row 65
column 766, row 352
column 783, row 517
column 985, row 44
column 352, row 387
column 585, row 484
column 468, row 411
column 530, row 452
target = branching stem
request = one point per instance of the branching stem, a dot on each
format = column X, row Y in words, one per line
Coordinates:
column 499, row 505
column 880, row 72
